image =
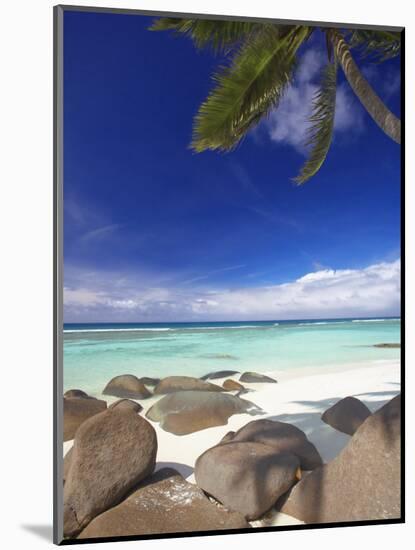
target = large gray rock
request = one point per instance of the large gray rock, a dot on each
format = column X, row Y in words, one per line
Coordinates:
column 77, row 393
column 172, row 384
column 218, row 374
column 363, row 482
column 128, row 386
column 78, row 409
column 227, row 437
column 165, row 503
column 283, row 438
column 246, row 477
column 190, row 411
column 149, row 381
column 255, row 377
column 67, row 459
column 126, row 404
column 112, row 452
column 346, row 415
column 233, row 385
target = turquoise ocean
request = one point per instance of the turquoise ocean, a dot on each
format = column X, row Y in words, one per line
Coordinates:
column 94, row 353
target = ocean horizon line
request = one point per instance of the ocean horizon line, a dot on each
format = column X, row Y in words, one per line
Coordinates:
column 388, row 317
column 160, row 326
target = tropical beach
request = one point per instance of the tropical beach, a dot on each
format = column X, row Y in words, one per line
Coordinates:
column 232, row 276
column 296, row 396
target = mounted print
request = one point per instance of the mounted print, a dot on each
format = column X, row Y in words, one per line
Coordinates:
column 228, row 217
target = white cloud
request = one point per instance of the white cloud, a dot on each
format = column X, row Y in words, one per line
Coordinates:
column 311, row 63
column 83, row 297
column 385, row 81
column 392, row 84
column 289, row 122
column 100, row 232
column 348, row 115
column 372, row 291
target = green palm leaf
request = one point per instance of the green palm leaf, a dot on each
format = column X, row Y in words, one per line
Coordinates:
column 377, row 46
column 220, row 35
column 246, row 89
column 322, row 122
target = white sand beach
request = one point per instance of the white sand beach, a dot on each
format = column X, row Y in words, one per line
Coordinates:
column 299, row 398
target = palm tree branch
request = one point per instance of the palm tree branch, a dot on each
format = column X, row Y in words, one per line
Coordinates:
column 320, row 132
column 247, row 88
column 376, row 46
column 219, row 35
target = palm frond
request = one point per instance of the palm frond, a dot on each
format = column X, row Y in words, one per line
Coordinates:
column 247, row 88
column 376, row 46
column 219, row 35
column 322, row 122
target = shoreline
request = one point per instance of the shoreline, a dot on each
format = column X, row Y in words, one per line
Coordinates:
column 303, row 372
column 281, row 374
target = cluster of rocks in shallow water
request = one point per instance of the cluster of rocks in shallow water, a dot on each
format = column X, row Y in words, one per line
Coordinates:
column 111, row 488
column 189, row 404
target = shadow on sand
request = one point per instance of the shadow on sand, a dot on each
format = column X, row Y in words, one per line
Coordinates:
column 184, row 469
column 329, row 442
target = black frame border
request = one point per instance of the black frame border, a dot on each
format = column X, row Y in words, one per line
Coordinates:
column 58, row 159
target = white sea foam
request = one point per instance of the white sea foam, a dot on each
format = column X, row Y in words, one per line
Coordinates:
column 82, row 330
column 316, row 323
column 223, row 328
column 85, row 330
column 374, row 320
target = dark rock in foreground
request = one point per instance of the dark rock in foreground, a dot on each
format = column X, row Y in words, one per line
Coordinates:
column 255, row 377
column 78, row 409
column 246, row 477
column 190, row 411
column 165, row 503
column 172, row 384
column 232, row 385
column 112, row 452
column 282, row 438
column 347, row 415
column 128, row 386
column 148, row 381
column 219, row 374
column 126, row 404
column 362, row 482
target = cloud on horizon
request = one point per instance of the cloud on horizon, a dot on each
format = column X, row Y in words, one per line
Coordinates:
column 109, row 297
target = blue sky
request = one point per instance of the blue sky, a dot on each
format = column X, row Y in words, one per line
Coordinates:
column 154, row 232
